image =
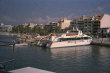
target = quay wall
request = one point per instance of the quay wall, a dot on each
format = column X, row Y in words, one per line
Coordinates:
column 101, row 41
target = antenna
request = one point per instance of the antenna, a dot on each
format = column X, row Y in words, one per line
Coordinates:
column 77, row 28
column 73, row 29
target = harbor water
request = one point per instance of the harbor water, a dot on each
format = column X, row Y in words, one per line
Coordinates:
column 80, row 59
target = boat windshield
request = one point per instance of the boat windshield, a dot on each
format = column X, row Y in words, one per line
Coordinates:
column 73, row 39
column 71, row 31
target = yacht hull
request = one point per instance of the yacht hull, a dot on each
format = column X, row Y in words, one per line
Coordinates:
column 70, row 43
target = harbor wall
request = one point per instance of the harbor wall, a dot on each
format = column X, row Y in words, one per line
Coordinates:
column 101, row 41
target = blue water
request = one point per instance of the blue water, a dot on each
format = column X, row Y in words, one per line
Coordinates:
column 82, row 59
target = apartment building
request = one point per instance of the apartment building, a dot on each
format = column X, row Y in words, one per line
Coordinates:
column 64, row 23
column 52, row 26
column 5, row 28
column 92, row 24
column 31, row 25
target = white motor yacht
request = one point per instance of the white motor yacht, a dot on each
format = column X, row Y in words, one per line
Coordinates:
column 71, row 38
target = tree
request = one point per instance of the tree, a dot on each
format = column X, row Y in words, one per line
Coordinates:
column 27, row 29
column 58, row 30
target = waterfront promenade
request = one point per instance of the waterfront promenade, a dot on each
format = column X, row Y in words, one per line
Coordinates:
column 101, row 41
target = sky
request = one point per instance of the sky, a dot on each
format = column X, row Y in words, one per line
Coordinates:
column 14, row 12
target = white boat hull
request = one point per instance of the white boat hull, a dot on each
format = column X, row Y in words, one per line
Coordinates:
column 70, row 43
column 21, row 44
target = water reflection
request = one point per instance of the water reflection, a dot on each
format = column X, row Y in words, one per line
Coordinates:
column 70, row 53
column 81, row 59
column 86, row 59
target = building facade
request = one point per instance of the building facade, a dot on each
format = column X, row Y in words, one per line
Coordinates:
column 64, row 23
column 92, row 24
column 5, row 28
column 51, row 26
column 31, row 25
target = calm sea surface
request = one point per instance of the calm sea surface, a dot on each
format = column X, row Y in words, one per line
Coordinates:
column 82, row 59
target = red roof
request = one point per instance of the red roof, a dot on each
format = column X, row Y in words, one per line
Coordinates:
column 71, row 34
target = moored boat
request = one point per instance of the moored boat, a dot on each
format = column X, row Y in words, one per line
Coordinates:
column 71, row 38
column 21, row 44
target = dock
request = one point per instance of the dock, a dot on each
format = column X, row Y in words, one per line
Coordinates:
column 101, row 41
column 5, row 43
column 30, row 70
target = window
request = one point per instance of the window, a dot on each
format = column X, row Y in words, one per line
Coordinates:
column 72, row 39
